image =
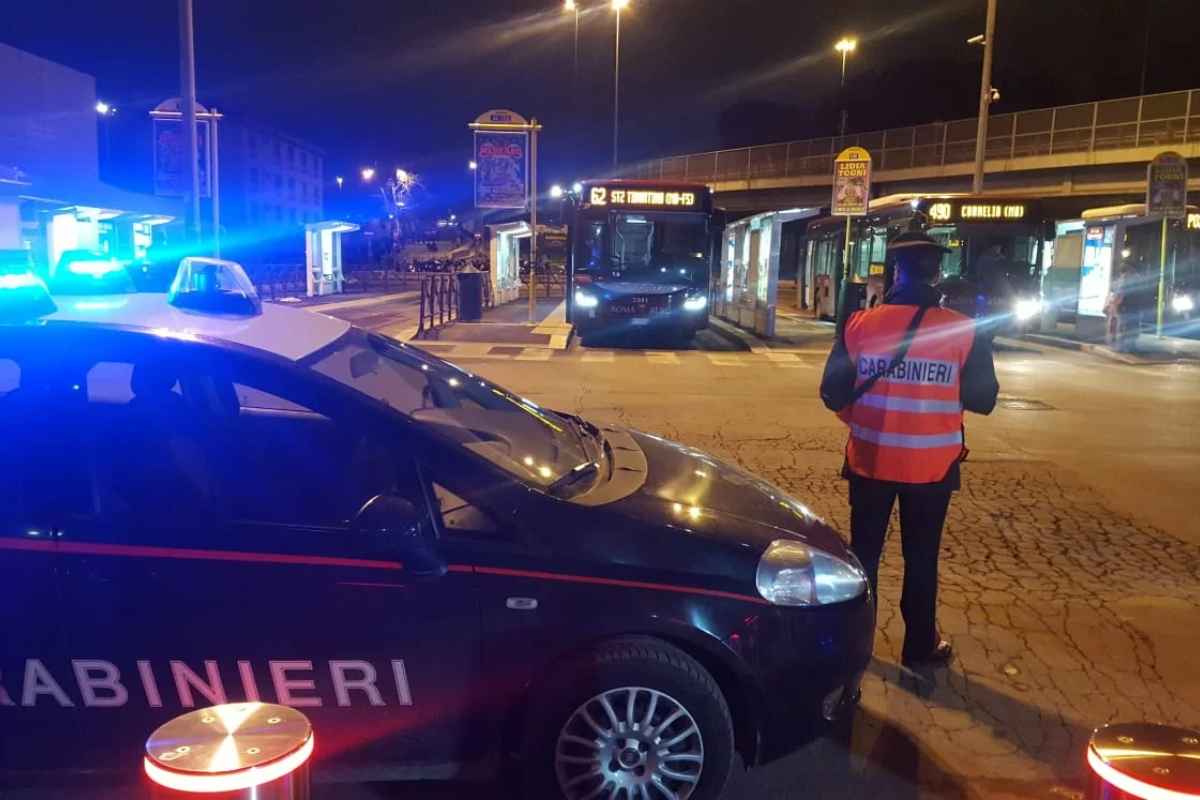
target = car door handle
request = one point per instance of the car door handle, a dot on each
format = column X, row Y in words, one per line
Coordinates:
column 521, row 603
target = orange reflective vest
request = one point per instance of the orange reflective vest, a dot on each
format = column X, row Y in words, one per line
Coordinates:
column 908, row 427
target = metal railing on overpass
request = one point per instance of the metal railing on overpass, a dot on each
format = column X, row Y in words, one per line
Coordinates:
column 1154, row 120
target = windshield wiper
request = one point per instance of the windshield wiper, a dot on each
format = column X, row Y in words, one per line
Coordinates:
column 577, row 473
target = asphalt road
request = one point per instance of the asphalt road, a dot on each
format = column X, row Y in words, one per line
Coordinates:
column 1070, row 566
column 1071, row 563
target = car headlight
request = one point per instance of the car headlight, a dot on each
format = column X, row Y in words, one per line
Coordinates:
column 1028, row 308
column 791, row 573
column 1182, row 303
column 586, row 299
column 695, row 303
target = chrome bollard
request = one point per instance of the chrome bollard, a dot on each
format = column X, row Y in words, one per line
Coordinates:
column 235, row 751
column 1129, row 761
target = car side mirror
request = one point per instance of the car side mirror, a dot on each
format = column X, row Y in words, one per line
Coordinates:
column 398, row 525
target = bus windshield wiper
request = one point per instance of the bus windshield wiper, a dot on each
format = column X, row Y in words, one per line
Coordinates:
column 576, row 474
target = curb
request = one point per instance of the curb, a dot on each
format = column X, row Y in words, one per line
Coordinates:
column 1100, row 350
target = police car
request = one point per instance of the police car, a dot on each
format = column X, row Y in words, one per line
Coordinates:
column 208, row 499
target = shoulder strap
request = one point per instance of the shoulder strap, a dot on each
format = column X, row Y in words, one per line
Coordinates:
column 901, row 351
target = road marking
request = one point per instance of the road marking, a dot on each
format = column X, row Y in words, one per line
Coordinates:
column 597, row 357
column 663, row 358
column 727, row 360
column 534, row 354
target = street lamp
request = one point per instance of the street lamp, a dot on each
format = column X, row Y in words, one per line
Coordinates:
column 368, row 174
column 340, row 180
column 556, row 191
column 472, row 165
column 402, row 175
column 618, row 6
column 845, row 46
column 577, row 187
column 104, row 109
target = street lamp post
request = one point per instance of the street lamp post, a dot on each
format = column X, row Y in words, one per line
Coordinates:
column 845, row 46
column 572, row 7
column 985, row 97
column 618, row 6
column 187, row 79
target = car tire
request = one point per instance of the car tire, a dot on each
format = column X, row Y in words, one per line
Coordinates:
column 567, row 757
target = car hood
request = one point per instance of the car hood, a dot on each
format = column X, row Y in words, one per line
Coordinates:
column 697, row 495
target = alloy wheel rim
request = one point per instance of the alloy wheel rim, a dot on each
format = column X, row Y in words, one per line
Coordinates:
column 631, row 743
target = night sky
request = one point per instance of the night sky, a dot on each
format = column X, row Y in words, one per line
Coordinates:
column 396, row 82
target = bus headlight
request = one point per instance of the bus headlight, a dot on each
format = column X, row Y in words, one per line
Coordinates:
column 791, row 573
column 585, row 299
column 695, row 303
column 1028, row 308
column 1182, row 303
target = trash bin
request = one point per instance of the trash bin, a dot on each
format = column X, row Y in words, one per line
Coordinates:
column 470, row 295
column 1143, row 761
column 235, row 751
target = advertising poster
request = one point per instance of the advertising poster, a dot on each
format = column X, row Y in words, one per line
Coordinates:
column 851, row 182
column 502, row 175
column 1095, row 274
column 1166, row 186
column 170, row 164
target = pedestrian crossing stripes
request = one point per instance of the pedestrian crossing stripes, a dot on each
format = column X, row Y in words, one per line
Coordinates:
column 600, row 357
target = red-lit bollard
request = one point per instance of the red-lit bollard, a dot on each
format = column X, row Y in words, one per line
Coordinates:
column 1143, row 761
column 233, row 751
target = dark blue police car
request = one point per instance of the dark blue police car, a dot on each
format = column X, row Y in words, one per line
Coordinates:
column 207, row 499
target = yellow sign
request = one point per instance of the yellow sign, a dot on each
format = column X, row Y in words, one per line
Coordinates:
column 1193, row 222
column 852, row 182
column 604, row 196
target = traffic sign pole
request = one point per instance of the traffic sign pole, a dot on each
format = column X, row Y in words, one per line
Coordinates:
column 1162, row 278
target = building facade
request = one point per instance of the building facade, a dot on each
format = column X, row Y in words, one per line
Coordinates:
column 269, row 180
column 51, row 197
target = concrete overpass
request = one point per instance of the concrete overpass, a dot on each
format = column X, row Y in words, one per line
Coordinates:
column 1086, row 154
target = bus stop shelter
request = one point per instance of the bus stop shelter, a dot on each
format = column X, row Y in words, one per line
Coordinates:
column 323, row 255
column 747, row 288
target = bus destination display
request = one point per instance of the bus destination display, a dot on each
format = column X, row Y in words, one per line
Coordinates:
column 945, row 211
column 626, row 197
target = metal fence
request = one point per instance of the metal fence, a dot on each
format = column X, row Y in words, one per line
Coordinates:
column 1154, row 120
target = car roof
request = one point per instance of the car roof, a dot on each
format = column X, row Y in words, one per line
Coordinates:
column 291, row 333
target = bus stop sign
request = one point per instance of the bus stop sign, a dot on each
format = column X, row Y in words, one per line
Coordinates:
column 851, row 182
column 1166, row 186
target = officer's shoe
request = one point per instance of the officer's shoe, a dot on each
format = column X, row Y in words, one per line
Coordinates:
column 941, row 654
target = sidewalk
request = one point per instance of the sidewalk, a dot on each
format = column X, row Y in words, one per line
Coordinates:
column 1149, row 348
column 506, row 326
column 794, row 331
column 331, row 302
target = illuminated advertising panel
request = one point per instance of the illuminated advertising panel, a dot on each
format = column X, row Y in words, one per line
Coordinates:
column 1095, row 274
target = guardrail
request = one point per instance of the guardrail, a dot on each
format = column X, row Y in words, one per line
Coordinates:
column 1155, row 120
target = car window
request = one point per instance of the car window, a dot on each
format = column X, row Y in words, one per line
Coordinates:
column 292, row 460
column 460, row 515
column 38, row 425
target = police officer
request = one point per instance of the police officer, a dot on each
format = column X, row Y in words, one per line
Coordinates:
column 900, row 376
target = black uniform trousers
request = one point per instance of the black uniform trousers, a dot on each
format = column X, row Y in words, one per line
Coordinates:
column 922, row 516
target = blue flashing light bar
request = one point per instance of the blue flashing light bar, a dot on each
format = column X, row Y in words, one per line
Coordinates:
column 23, row 297
column 214, row 286
column 95, row 269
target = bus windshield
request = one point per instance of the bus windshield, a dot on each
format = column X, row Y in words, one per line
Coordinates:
column 649, row 247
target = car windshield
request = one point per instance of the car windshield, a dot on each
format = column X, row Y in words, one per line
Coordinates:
column 532, row 443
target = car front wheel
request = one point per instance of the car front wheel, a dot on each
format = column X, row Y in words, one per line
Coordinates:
column 636, row 719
